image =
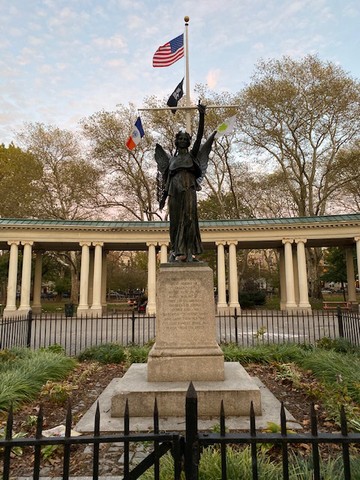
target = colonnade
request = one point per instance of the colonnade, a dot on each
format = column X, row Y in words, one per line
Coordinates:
column 93, row 273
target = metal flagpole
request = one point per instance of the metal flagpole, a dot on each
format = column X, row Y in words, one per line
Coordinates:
column 187, row 76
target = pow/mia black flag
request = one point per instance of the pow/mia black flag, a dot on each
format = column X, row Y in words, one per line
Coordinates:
column 175, row 96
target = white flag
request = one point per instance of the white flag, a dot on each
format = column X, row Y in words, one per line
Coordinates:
column 226, row 127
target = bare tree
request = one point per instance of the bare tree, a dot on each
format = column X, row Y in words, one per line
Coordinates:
column 298, row 115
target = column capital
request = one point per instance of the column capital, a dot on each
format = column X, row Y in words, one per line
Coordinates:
column 151, row 244
column 85, row 244
column 287, row 240
column 222, row 242
column 300, row 240
column 13, row 242
column 27, row 242
column 357, row 239
column 97, row 244
column 232, row 242
column 163, row 244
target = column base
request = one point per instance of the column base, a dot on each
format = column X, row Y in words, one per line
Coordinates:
column 234, row 308
column 222, row 308
column 36, row 309
column 96, row 310
column 151, row 309
column 10, row 312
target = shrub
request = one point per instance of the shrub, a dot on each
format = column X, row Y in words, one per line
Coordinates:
column 25, row 374
column 107, row 353
column 250, row 299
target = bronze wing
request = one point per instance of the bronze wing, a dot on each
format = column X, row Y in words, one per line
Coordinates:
column 162, row 160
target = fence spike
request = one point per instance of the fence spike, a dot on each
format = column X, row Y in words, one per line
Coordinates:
column 252, row 420
column 97, row 420
column 9, row 423
column 39, row 422
column 283, row 419
column 343, row 420
column 68, row 419
column 156, row 417
column 313, row 420
column 222, row 419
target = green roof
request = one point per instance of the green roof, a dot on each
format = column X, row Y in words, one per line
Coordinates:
column 162, row 224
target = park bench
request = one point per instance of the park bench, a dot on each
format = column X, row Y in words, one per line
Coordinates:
column 334, row 305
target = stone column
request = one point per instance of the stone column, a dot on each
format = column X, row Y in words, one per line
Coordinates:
column 83, row 308
column 151, row 305
column 104, row 281
column 282, row 281
column 222, row 305
column 163, row 252
column 26, row 277
column 350, row 274
column 234, row 304
column 302, row 275
column 91, row 276
column 12, row 278
column 289, row 275
column 357, row 240
column 96, row 300
column 36, row 305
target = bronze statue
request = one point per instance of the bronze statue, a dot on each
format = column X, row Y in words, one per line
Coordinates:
column 180, row 176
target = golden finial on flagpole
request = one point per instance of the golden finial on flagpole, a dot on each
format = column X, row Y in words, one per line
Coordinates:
column 186, row 19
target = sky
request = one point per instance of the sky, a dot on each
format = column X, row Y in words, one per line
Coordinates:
column 64, row 60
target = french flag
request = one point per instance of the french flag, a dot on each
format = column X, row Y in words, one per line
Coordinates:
column 136, row 135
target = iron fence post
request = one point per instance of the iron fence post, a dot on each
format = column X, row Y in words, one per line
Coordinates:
column 133, row 327
column 340, row 322
column 191, row 458
column 28, row 338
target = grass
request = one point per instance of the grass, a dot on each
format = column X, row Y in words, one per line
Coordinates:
column 239, row 465
column 24, row 372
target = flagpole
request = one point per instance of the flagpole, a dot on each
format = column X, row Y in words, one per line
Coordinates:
column 187, row 76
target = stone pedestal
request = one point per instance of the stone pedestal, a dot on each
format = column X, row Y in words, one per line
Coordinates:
column 186, row 348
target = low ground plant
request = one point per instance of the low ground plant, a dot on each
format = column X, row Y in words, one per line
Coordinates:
column 24, row 372
column 239, row 465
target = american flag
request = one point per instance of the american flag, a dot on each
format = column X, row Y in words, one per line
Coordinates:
column 169, row 53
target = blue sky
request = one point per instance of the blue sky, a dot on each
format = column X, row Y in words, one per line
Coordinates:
column 62, row 60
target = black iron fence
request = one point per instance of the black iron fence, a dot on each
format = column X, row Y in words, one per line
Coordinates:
column 186, row 448
column 247, row 328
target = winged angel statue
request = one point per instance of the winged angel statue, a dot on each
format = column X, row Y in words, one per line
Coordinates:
column 179, row 178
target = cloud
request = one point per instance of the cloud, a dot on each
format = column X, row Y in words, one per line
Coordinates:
column 212, row 78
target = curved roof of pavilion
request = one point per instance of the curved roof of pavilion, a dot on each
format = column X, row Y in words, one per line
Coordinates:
column 125, row 235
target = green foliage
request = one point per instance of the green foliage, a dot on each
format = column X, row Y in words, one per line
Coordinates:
column 22, row 377
column 287, row 352
column 239, row 465
column 57, row 392
column 106, row 353
column 114, row 353
column 335, row 270
column 250, row 299
column 338, row 371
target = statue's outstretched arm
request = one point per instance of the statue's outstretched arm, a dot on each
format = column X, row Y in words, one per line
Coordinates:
column 200, row 132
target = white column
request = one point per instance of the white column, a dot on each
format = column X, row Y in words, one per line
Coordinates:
column 151, row 305
column 91, row 276
column 163, row 252
column 350, row 274
column 26, row 277
column 357, row 240
column 104, row 280
column 234, row 304
column 304, row 303
column 289, row 275
column 96, row 300
column 12, row 278
column 83, row 308
column 221, row 287
column 282, row 281
column 36, row 305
